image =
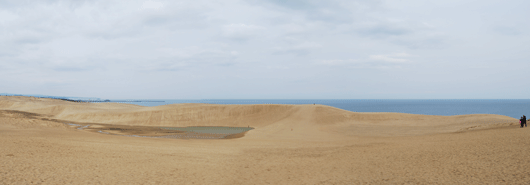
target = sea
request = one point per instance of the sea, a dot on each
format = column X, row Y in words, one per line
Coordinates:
column 514, row 108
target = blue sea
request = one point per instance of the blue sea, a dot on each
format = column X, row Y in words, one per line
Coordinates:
column 511, row 107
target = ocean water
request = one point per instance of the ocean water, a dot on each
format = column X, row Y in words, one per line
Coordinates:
column 511, row 107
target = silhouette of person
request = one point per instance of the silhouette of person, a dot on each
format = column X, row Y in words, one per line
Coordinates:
column 521, row 121
column 524, row 120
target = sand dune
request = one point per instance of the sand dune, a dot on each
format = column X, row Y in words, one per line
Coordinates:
column 319, row 118
column 291, row 144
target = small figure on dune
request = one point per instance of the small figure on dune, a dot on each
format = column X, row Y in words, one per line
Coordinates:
column 521, row 121
column 524, row 120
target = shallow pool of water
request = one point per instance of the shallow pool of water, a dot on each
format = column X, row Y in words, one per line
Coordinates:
column 211, row 130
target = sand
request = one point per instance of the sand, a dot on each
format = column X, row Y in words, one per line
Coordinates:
column 291, row 144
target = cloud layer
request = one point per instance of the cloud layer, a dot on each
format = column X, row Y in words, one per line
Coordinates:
column 265, row 49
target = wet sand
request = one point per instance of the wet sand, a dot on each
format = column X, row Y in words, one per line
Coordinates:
column 291, row 144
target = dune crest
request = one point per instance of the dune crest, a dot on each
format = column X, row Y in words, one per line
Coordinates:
column 270, row 120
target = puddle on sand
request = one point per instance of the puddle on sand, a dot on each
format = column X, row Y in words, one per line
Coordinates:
column 71, row 124
column 103, row 132
column 80, row 127
column 165, row 132
column 211, row 130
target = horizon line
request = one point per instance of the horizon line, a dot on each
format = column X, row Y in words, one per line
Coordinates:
column 55, row 97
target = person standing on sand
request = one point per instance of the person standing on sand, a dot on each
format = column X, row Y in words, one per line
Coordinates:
column 524, row 120
column 521, row 121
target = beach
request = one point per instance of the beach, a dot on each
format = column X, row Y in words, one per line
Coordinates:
column 290, row 144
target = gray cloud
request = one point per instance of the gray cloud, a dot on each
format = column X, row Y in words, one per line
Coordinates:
column 185, row 59
column 510, row 31
column 376, row 61
column 242, row 32
column 297, row 49
column 282, row 45
column 327, row 11
column 382, row 31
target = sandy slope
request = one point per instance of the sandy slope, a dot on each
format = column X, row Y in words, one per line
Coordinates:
column 292, row 144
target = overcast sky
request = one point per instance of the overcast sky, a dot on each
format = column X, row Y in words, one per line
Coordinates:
column 266, row 49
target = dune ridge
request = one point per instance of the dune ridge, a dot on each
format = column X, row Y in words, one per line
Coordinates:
column 267, row 118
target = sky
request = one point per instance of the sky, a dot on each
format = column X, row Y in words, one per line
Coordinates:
column 266, row 49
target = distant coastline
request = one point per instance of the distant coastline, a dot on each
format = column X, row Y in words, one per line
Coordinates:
column 81, row 99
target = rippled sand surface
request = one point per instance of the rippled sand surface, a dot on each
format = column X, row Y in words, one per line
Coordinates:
column 290, row 144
